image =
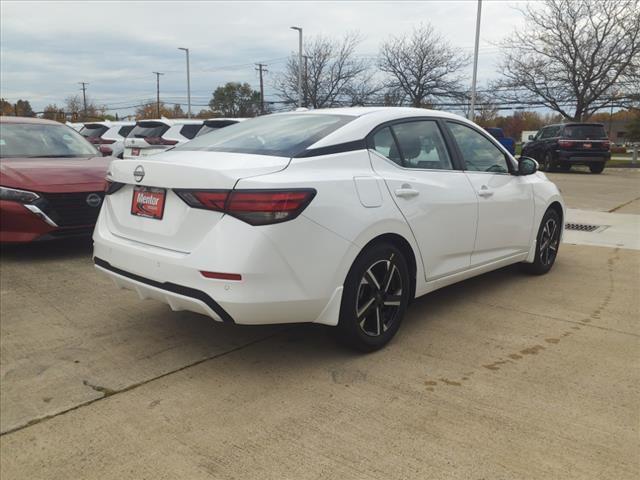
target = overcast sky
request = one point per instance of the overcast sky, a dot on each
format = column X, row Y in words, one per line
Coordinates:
column 48, row 47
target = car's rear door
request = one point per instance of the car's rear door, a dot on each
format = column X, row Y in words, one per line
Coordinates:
column 505, row 201
column 434, row 196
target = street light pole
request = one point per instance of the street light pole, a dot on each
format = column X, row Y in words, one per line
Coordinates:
column 157, row 74
column 299, row 29
column 188, row 82
column 475, row 63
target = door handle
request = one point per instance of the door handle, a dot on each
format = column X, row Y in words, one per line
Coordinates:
column 406, row 192
column 485, row 192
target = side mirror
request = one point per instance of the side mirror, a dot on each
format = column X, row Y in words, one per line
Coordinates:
column 531, row 137
column 527, row 166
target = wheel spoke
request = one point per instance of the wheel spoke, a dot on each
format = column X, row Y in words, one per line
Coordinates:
column 371, row 279
column 378, row 320
column 392, row 300
column 364, row 311
column 391, row 267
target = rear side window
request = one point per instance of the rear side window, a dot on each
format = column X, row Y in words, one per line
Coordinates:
column 584, row 132
column 422, row 145
column 283, row 135
column 124, row 131
column 93, row 130
column 148, row 129
column 190, row 131
column 385, row 144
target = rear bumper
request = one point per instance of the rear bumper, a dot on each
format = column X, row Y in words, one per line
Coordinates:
column 178, row 297
column 583, row 158
column 282, row 281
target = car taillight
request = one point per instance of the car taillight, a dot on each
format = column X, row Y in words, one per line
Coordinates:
column 256, row 207
column 159, row 141
column 105, row 151
column 112, row 187
column 606, row 145
column 565, row 143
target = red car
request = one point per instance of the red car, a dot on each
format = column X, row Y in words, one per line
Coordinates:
column 51, row 181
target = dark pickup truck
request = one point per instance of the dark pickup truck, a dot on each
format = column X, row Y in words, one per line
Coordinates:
column 570, row 144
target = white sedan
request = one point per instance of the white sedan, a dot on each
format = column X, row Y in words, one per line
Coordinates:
column 337, row 216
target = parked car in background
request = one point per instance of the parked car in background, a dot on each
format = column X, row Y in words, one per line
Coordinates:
column 149, row 137
column 52, row 181
column 107, row 136
column 568, row 144
column 507, row 142
column 215, row 123
column 334, row 216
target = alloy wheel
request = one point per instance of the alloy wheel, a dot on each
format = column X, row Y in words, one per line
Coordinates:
column 379, row 297
column 549, row 241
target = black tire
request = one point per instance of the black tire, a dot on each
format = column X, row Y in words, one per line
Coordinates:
column 596, row 167
column 548, row 164
column 547, row 244
column 378, row 287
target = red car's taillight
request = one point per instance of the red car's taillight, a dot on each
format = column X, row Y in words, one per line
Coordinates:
column 256, row 207
column 606, row 145
column 159, row 141
column 565, row 143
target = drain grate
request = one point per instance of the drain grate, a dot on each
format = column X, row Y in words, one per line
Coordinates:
column 581, row 227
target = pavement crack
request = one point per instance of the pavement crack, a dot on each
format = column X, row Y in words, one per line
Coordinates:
column 623, row 205
column 107, row 392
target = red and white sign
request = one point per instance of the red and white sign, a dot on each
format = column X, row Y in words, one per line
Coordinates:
column 148, row 202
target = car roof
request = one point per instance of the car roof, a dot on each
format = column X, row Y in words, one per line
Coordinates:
column 236, row 119
column 570, row 124
column 39, row 121
column 367, row 118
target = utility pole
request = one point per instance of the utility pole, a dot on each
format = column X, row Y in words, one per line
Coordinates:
column 306, row 80
column 157, row 74
column 262, row 70
column 188, row 81
column 84, row 97
column 475, row 64
column 299, row 29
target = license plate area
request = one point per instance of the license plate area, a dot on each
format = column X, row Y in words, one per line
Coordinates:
column 148, row 202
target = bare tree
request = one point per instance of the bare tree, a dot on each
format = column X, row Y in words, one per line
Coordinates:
column 332, row 74
column 423, row 66
column 574, row 56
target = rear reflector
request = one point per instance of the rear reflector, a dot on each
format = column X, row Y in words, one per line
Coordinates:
column 256, row 207
column 565, row 143
column 222, row 276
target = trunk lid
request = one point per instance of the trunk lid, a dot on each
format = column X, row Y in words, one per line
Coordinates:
column 181, row 228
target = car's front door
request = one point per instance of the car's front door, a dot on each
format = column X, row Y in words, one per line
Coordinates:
column 435, row 198
column 505, row 201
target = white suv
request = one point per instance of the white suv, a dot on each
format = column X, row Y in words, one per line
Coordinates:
column 107, row 136
column 154, row 136
column 212, row 124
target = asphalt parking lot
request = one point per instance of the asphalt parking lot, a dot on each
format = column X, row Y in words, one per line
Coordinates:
column 500, row 377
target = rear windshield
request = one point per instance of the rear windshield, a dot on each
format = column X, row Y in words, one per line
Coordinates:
column 283, row 135
column 93, row 130
column 190, row 131
column 585, row 132
column 148, row 129
column 124, row 131
column 37, row 140
column 211, row 125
